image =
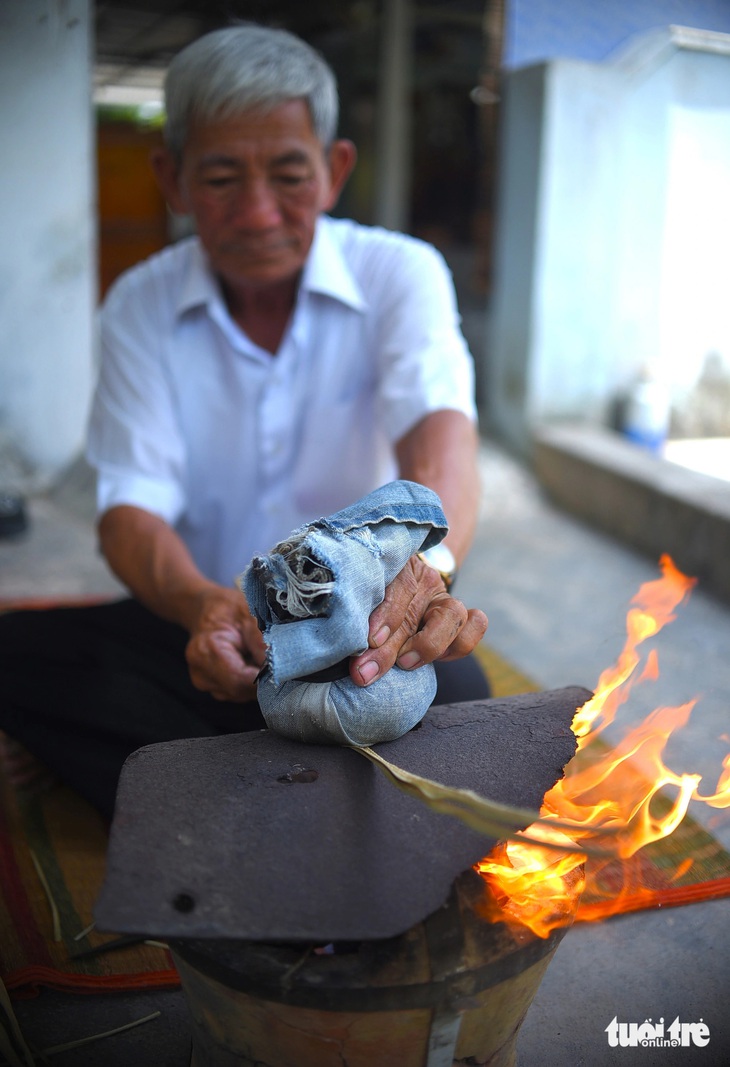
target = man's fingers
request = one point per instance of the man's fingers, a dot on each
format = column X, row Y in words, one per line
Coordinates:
column 409, row 646
column 406, row 598
column 233, row 690
column 448, row 632
column 419, row 649
column 418, row 622
column 445, row 630
column 440, row 626
column 392, row 623
column 217, row 667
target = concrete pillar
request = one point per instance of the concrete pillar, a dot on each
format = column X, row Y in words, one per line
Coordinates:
column 47, row 252
column 393, row 150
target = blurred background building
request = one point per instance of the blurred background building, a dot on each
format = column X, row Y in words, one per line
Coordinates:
column 570, row 159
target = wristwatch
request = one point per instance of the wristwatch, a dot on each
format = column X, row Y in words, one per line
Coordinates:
column 442, row 560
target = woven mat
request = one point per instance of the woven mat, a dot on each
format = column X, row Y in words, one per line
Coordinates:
column 56, row 838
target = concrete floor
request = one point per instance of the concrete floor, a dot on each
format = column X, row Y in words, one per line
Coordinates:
column 556, row 594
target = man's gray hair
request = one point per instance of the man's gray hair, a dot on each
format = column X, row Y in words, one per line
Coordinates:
column 244, row 67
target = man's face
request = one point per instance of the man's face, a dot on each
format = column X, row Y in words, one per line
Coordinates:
column 256, row 184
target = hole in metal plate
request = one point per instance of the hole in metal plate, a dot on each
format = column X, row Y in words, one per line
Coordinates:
column 183, row 902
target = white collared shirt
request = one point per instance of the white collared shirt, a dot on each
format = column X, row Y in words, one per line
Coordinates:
column 236, row 447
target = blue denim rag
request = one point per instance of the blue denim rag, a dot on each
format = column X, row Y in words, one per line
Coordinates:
column 312, row 596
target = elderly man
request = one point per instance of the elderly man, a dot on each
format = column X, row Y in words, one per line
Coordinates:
column 272, row 369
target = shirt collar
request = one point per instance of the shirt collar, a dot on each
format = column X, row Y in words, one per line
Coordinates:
column 199, row 286
column 326, row 271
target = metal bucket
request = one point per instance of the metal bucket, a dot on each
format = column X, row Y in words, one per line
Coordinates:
column 453, row 989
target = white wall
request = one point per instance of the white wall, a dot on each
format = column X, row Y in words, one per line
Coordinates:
column 695, row 283
column 47, row 251
column 613, row 231
column 575, row 249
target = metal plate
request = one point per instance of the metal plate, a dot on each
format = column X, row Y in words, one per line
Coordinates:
column 255, row 837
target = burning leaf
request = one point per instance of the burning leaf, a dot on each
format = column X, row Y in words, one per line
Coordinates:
column 721, row 798
column 614, row 788
column 485, row 816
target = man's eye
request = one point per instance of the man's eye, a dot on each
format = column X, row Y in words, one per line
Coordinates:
column 218, row 182
column 289, row 179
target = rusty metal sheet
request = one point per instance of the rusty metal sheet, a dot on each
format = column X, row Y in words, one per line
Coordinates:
column 252, row 836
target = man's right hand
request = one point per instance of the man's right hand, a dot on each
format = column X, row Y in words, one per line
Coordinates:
column 226, row 650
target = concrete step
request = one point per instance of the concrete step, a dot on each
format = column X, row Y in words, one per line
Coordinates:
column 647, row 501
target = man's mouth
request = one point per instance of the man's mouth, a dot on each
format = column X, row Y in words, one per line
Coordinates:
column 256, row 249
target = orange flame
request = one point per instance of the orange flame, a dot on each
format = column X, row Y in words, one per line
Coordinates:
column 617, row 788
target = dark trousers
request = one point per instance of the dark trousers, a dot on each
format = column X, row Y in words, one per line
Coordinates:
column 84, row 687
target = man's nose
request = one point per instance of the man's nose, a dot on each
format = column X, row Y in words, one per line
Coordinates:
column 256, row 207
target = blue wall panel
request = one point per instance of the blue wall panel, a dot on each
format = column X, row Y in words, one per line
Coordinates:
column 537, row 30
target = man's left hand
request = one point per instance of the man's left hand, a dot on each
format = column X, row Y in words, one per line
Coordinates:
column 418, row 622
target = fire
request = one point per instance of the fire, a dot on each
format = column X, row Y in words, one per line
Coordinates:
column 617, row 787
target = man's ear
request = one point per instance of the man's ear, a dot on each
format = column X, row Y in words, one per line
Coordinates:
column 167, row 173
column 341, row 159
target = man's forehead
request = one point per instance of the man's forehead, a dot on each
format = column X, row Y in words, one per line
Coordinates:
column 283, row 158
column 284, row 128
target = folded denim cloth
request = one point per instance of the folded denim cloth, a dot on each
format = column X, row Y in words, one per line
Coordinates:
column 312, row 597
